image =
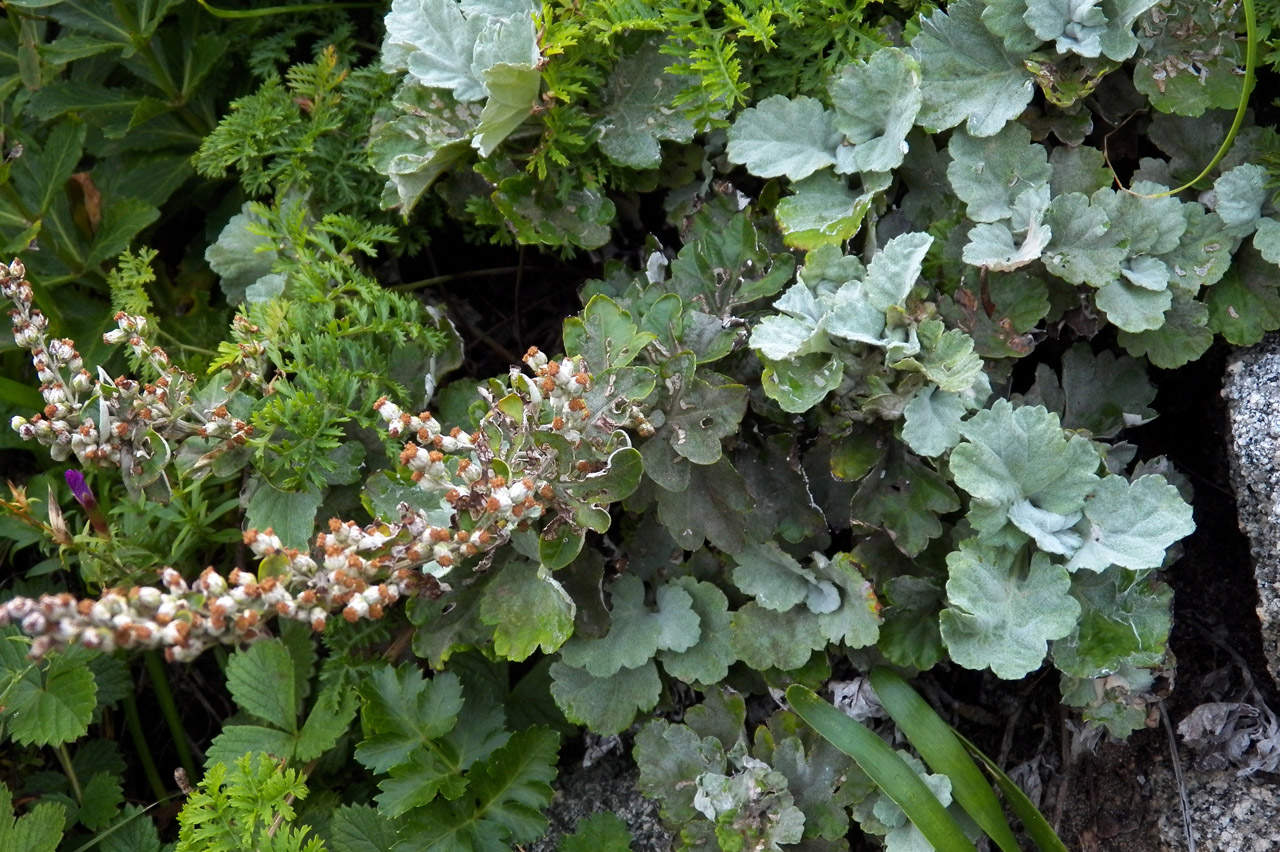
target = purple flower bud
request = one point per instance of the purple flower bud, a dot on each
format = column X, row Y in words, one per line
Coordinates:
column 84, row 496
column 80, row 489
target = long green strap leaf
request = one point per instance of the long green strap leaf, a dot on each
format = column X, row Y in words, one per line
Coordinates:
column 1033, row 821
column 938, row 745
column 884, row 766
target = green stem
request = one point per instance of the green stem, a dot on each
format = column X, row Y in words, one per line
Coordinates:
column 160, row 680
column 134, row 722
column 267, row 11
column 70, row 771
column 455, row 276
column 1250, row 63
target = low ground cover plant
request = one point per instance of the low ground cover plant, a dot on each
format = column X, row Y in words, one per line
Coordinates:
column 852, row 390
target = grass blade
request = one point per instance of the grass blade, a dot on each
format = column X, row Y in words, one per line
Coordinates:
column 884, row 766
column 1038, row 828
column 943, row 752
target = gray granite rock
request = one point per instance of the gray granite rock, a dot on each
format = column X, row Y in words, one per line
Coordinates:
column 1252, row 391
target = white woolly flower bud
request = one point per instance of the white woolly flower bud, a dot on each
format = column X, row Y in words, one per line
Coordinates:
column 62, row 351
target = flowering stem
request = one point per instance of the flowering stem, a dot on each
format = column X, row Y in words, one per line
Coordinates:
column 160, row 680
column 134, row 723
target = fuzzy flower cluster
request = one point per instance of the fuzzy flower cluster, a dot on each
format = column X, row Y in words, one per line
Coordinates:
column 185, row 619
column 115, row 432
column 524, row 465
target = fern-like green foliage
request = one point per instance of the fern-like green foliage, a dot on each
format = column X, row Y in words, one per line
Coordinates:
column 247, row 806
column 304, row 131
column 328, row 332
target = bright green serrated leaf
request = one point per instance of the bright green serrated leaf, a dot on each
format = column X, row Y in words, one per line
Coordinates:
column 328, row 720
column 600, row 832
column 401, row 710
column 52, row 705
column 38, row 830
column 996, row 618
column 261, row 680
column 234, row 741
column 361, row 828
column 291, row 515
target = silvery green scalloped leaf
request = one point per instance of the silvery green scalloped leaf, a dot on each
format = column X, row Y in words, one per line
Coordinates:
column 997, row 617
column 1005, row 18
column 1075, row 26
column 821, row 210
column 967, row 74
column 1267, row 240
column 1133, row 308
column 876, row 103
column 1131, row 524
column 1014, row 453
column 1183, row 336
column 931, row 421
column 1084, row 249
column 784, row 136
column 636, row 633
column 706, row 662
column 638, row 112
column 606, row 705
column 990, row 172
column 1239, row 196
